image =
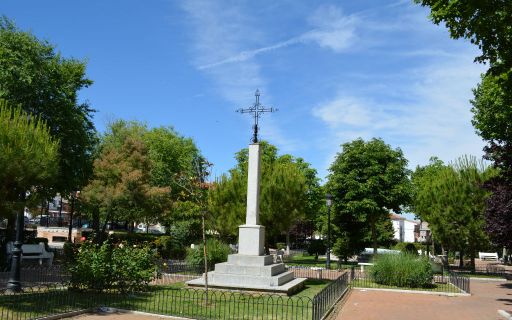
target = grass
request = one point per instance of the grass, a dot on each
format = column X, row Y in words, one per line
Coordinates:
column 168, row 300
column 310, row 261
column 438, row 287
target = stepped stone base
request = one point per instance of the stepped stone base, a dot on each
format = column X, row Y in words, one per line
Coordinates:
column 247, row 272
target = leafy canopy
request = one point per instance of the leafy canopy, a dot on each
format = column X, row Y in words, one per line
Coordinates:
column 28, row 160
column 46, row 85
column 368, row 180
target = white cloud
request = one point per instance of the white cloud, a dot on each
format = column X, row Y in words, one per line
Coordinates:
column 435, row 120
column 331, row 29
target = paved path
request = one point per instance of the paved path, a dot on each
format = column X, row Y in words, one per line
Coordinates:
column 487, row 297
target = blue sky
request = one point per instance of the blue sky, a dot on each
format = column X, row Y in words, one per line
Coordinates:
column 336, row 70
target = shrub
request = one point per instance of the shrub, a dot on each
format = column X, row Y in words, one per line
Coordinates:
column 217, row 252
column 410, row 248
column 108, row 266
column 402, row 270
column 170, row 248
column 317, row 247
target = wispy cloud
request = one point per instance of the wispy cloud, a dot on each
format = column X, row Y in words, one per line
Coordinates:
column 434, row 120
column 331, row 29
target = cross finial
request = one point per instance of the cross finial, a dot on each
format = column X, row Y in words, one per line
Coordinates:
column 257, row 109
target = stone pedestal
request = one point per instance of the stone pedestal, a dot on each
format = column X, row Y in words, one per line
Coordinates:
column 250, row 269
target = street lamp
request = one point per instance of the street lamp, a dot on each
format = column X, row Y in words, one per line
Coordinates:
column 328, row 198
column 14, row 284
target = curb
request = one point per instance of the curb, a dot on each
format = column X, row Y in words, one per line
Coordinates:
column 489, row 279
column 505, row 314
column 114, row 310
column 417, row 292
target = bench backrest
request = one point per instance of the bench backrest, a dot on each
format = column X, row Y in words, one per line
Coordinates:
column 32, row 249
column 487, row 255
column 28, row 249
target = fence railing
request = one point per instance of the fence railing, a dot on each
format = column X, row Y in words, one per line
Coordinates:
column 325, row 299
column 34, row 275
column 47, row 300
column 497, row 270
column 450, row 283
column 460, row 281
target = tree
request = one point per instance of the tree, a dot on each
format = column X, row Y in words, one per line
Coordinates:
column 121, row 189
column 485, row 23
column 283, row 194
column 452, row 200
column 46, row 85
column 498, row 214
column 367, row 181
column 28, row 160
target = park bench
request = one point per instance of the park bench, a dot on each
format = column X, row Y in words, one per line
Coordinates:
column 32, row 251
column 490, row 256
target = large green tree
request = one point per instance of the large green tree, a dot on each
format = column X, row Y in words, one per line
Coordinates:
column 283, row 196
column 46, row 85
column 28, row 157
column 452, row 200
column 157, row 159
column 368, row 180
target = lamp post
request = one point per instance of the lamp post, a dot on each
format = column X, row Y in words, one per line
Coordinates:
column 14, row 284
column 328, row 198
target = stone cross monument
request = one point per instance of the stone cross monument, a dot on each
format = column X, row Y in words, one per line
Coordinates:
column 250, row 268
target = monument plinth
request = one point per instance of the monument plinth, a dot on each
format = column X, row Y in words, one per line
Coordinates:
column 251, row 269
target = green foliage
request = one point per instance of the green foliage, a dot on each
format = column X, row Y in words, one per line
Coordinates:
column 217, row 252
column 170, row 248
column 107, row 266
column 284, row 195
column 402, row 270
column 28, row 157
column 452, row 200
column 367, row 180
column 484, row 23
column 46, row 85
column 316, row 248
column 121, row 188
column 408, row 247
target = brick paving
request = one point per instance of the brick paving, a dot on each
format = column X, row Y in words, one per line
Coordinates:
column 487, row 297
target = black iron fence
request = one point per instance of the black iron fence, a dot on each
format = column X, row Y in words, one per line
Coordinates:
column 46, row 294
column 35, row 275
column 488, row 269
column 325, row 300
column 460, row 281
column 189, row 303
column 445, row 283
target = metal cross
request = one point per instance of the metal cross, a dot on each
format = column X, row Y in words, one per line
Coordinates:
column 257, row 109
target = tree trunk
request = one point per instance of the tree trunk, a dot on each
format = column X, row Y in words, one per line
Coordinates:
column 374, row 237
column 205, row 255
column 288, row 242
column 461, row 258
column 70, row 229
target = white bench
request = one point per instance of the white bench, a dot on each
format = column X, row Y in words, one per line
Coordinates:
column 32, row 251
column 363, row 264
column 491, row 256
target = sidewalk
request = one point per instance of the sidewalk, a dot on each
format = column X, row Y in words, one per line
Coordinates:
column 487, row 297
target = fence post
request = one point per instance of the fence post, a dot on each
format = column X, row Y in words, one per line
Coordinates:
column 352, row 273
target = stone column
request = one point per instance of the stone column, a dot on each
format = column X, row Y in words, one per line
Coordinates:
column 251, row 234
column 253, row 186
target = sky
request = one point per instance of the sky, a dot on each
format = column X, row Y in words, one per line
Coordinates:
column 336, row 70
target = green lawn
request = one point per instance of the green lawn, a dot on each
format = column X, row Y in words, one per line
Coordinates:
column 438, row 287
column 169, row 300
column 310, row 261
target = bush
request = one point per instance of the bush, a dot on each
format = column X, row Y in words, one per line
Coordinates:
column 108, row 266
column 217, row 252
column 402, row 270
column 170, row 248
column 317, row 247
column 408, row 247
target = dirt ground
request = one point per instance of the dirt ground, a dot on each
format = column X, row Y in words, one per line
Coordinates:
column 486, row 299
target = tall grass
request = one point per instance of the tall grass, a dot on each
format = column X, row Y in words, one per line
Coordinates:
column 402, row 270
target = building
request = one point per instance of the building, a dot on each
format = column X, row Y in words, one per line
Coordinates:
column 405, row 230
